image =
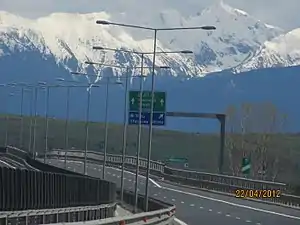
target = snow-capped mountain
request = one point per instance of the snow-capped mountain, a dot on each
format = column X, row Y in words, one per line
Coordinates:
column 69, row 38
column 282, row 51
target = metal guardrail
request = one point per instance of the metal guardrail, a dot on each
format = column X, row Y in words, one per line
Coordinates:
column 160, row 168
column 154, row 165
column 58, row 215
column 221, row 183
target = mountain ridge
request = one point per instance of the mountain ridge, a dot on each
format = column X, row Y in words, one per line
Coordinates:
column 73, row 35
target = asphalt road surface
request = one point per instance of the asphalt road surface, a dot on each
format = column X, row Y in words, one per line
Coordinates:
column 9, row 163
column 196, row 207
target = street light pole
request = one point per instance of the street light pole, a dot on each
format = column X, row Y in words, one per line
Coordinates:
column 35, row 120
column 124, row 135
column 104, row 22
column 151, row 122
column 87, row 129
column 47, row 123
column 67, row 124
column 139, row 134
column 7, row 119
column 106, row 130
column 30, row 124
column 22, row 119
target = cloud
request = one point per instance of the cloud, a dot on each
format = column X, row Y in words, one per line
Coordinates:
column 266, row 10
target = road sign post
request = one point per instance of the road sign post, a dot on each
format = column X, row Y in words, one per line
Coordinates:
column 159, row 109
column 246, row 165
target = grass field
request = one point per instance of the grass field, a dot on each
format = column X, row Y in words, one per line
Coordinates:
column 201, row 150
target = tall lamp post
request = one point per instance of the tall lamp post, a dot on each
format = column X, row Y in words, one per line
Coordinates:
column 155, row 30
column 125, row 120
column 7, row 121
column 141, row 89
column 90, row 85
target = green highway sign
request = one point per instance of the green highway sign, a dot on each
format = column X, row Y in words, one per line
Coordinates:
column 177, row 160
column 159, row 101
column 246, row 166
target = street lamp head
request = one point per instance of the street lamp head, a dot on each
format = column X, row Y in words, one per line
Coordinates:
column 76, row 73
column 208, row 28
column 98, row 48
column 103, row 22
column 164, row 67
column 186, row 52
column 42, row 83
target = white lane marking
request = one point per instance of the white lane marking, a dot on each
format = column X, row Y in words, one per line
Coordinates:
column 210, row 210
column 182, row 202
column 219, row 212
column 173, row 199
column 5, row 163
column 179, row 221
column 238, row 218
column 155, row 194
column 234, row 204
column 192, row 205
column 201, row 207
column 156, row 184
column 248, row 221
column 165, row 197
column 129, row 180
column 258, row 223
column 227, row 215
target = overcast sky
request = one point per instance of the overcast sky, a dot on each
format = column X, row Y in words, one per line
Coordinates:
column 283, row 13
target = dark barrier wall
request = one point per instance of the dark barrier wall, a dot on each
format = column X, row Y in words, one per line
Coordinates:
column 2, row 150
column 25, row 189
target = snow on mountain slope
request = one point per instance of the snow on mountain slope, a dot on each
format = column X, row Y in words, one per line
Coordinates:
column 69, row 39
column 282, row 51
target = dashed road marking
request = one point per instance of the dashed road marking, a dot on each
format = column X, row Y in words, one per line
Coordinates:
column 248, row 221
column 238, row 218
column 182, row 202
column 192, row 205
column 234, row 204
column 228, row 215
column 210, row 210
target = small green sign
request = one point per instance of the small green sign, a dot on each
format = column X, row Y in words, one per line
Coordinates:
column 246, row 165
column 177, row 160
column 159, row 101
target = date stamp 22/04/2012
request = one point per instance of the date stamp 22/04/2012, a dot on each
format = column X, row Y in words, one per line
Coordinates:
column 257, row 194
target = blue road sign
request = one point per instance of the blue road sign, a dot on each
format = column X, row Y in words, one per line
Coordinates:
column 159, row 118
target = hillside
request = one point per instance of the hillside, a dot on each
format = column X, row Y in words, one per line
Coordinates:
column 201, row 150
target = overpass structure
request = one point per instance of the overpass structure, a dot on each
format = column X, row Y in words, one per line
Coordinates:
column 169, row 187
column 32, row 192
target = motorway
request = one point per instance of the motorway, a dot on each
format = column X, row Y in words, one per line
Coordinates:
column 196, row 207
column 9, row 163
